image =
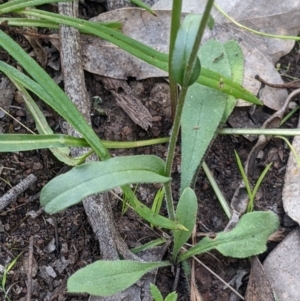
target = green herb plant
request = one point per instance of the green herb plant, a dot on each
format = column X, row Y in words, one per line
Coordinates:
column 3, row 277
column 210, row 82
column 251, row 193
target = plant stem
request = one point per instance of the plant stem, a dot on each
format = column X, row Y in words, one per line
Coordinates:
column 283, row 132
column 184, row 89
column 175, row 24
column 171, row 151
column 195, row 49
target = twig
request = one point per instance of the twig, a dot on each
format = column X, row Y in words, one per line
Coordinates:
column 291, row 85
column 29, row 276
column 13, row 193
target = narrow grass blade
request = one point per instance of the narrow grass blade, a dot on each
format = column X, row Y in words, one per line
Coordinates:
column 243, row 174
column 49, row 91
column 20, row 4
column 257, row 185
column 143, row 5
column 62, row 153
column 148, row 245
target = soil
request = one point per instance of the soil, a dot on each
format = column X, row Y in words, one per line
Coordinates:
column 65, row 242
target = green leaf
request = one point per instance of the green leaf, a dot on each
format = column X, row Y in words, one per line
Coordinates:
column 149, row 215
column 106, row 278
column 19, row 4
column 48, row 91
column 62, row 153
column 143, row 5
column 172, row 297
column 155, row 293
column 149, row 245
column 186, row 214
column 210, row 23
column 182, row 50
column 236, row 61
column 160, row 60
column 25, row 142
column 201, row 116
column 90, row 178
column 248, row 238
column 202, row 113
column 158, row 200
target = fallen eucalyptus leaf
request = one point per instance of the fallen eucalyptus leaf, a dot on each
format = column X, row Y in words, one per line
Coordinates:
column 259, row 287
column 282, row 267
column 260, row 53
column 290, row 192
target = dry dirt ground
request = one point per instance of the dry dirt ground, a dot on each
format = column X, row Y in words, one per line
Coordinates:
column 63, row 243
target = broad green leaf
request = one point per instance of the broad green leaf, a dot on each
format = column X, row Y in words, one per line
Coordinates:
column 236, row 61
column 172, row 297
column 202, row 113
column 106, row 278
column 155, row 293
column 160, row 60
column 248, row 238
column 184, row 42
column 186, row 214
column 93, row 177
column 201, row 116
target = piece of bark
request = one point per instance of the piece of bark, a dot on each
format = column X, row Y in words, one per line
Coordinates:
column 125, row 99
column 259, row 287
column 97, row 207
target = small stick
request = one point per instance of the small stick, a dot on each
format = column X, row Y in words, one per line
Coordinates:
column 29, row 276
column 13, row 193
column 291, row 85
